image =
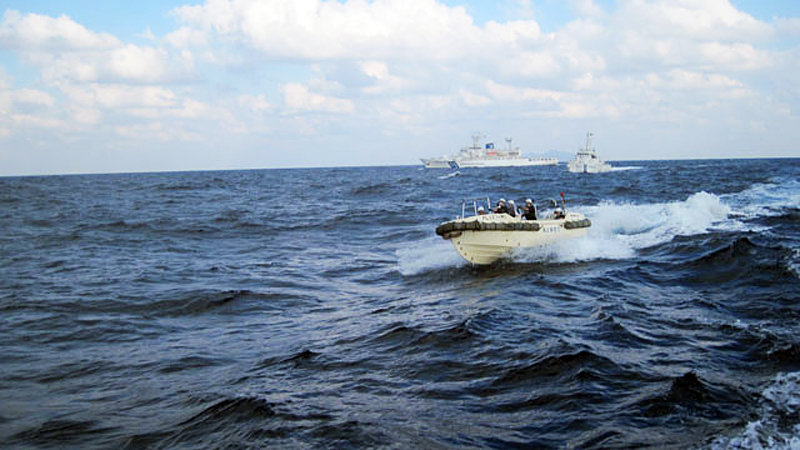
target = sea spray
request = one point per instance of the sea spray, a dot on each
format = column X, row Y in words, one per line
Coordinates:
column 426, row 255
column 619, row 229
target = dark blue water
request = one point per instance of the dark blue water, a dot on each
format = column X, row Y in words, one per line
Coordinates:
column 317, row 308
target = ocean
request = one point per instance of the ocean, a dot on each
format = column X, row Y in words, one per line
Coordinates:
column 306, row 308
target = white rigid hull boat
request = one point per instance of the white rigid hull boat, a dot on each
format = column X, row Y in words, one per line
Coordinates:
column 587, row 161
column 483, row 239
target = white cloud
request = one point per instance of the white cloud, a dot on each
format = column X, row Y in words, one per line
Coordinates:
column 715, row 20
column 323, row 30
column 67, row 51
column 262, row 69
column 35, row 31
column 132, row 62
column 298, row 97
column 254, row 103
column 33, row 97
column 186, row 37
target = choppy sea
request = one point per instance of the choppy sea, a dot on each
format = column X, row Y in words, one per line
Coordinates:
column 317, row 308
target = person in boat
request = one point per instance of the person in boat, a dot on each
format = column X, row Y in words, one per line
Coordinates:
column 529, row 210
column 481, row 211
column 512, row 209
column 501, row 207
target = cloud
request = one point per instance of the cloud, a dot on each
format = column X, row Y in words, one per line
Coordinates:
column 185, row 37
column 67, row 51
column 32, row 97
column 35, row 31
column 298, row 97
column 319, row 69
column 325, row 30
column 698, row 20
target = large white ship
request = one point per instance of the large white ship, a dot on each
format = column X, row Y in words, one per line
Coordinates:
column 587, row 161
column 480, row 155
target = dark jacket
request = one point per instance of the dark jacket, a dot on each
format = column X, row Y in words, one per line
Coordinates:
column 529, row 212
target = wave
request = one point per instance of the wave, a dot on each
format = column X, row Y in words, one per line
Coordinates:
column 778, row 426
column 689, row 393
column 449, row 175
column 427, row 255
column 766, row 199
column 619, row 230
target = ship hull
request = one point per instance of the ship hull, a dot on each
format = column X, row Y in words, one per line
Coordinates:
column 505, row 162
column 577, row 166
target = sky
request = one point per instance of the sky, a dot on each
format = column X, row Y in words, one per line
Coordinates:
column 99, row 87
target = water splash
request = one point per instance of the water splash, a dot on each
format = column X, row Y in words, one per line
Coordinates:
column 778, row 427
column 620, row 229
column 765, row 199
column 427, row 255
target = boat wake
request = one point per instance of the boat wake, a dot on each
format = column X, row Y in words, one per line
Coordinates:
column 624, row 168
column 619, row 230
column 449, row 175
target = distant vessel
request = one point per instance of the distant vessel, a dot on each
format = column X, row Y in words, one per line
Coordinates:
column 439, row 162
column 587, row 161
column 480, row 155
column 485, row 238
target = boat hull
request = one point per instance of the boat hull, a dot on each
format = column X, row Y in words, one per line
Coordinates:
column 580, row 167
column 485, row 239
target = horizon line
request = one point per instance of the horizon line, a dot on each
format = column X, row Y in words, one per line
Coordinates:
column 346, row 166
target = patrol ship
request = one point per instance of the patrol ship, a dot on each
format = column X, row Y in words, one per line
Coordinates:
column 586, row 161
column 486, row 155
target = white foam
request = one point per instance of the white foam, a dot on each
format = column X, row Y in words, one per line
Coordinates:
column 781, row 400
column 765, row 199
column 619, row 229
column 623, row 168
column 426, row 255
column 794, row 263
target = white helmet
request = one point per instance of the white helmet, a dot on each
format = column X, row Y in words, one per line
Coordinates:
column 527, row 200
column 503, row 200
column 511, row 202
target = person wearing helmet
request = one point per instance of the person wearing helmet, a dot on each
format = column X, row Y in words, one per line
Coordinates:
column 529, row 210
column 512, row 209
column 481, row 211
column 501, row 207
